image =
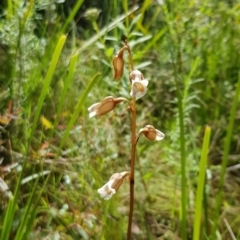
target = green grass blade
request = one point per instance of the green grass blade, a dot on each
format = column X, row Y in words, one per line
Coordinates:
column 201, row 184
column 67, row 83
column 225, row 156
column 24, row 224
column 125, row 7
column 182, row 143
column 78, row 108
column 8, row 219
column 187, row 81
column 154, row 40
column 47, row 81
column 9, row 9
column 183, row 168
column 72, row 15
column 30, row 222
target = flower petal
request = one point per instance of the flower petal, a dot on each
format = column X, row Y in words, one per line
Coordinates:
column 92, row 114
column 112, row 185
column 136, row 75
column 93, row 107
column 106, row 191
column 159, row 135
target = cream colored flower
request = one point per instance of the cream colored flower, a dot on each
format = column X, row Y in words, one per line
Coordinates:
column 139, row 84
column 112, row 185
column 139, row 88
column 105, row 106
column 151, row 133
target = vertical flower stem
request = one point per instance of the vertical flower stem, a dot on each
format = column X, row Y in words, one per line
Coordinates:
column 131, row 178
column 130, row 57
column 127, row 47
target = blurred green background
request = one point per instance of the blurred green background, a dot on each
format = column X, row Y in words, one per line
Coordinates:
column 56, row 61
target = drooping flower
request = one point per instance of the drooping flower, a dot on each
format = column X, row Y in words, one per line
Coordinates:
column 105, row 106
column 112, row 185
column 139, row 88
column 139, row 84
column 151, row 133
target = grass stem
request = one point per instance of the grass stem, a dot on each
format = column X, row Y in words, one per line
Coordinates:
column 225, row 156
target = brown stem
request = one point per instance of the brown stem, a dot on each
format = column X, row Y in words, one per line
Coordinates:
column 130, row 56
column 131, row 178
column 127, row 47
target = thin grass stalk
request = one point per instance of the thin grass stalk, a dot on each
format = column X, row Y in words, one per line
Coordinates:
column 47, row 81
column 9, row 9
column 205, row 208
column 125, row 8
column 8, row 219
column 177, row 70
column 19, row 50
column 25, row 225
column 201, row 184
column 72, row 15
column 154, row 40
column 183, row 169
column 67, row 83
column 225, row 156
column 144, row 7
column 183, row 154
column 78, row 108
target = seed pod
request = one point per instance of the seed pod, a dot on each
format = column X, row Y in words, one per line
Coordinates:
column 118, row 64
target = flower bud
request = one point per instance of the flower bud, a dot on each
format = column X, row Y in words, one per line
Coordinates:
column 118, row 65
column 136, row 75
column 92, row 14
column 112, row 185
column 105, row 106
column 151, row 133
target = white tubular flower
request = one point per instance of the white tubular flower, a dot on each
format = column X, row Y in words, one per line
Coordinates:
column 112, row 185
column 105, row 106
column 139, row 84
column 139, row 88
column 151, row 133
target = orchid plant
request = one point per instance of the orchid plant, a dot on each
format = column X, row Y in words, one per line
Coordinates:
column 138, row 89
